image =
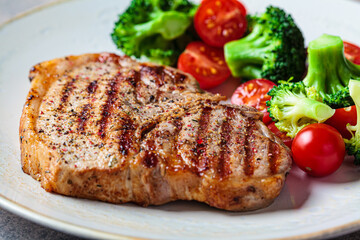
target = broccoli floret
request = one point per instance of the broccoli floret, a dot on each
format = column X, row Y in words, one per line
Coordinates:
column 353, row 144
column 329, row 71
column 273, row 49
column 158, row 30
column 293, row 106
column 339, row 99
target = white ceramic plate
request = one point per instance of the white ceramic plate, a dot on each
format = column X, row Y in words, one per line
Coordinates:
column 306, row 208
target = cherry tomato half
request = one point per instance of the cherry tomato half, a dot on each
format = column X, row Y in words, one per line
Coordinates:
column 253, row 93
column 207, row 64
column 352, row 52
column 341, row 118
column 282, row 135
column 318, row 149
column 239, row 4
column 220, row 21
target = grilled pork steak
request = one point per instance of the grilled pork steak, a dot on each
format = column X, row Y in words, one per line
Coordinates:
column 106, row 127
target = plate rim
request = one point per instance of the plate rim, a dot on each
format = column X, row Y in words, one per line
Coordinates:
column 82, row 231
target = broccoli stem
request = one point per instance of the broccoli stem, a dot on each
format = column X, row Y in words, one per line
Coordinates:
column 310, row 109
column 328, row 68
column 299, row 111
column 354, row 88
column 353, row 144
column 250, row 50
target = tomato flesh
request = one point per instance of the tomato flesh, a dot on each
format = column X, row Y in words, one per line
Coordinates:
column 341, row 118
column 220, row 21
column 352, row 52
column 318, row 149
column 207, row 64
column 253, row 93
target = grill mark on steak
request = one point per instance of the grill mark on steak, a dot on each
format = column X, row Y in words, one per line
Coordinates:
column 150, row 159
column 85, row 112
column 249, row 148
column 84, row 116
column 134, row 78
column 179, row 78
column 223, row 167
column 92, row 87
column 177, row 163
column 156, row 72
column 145, row 129
column 178, row 123
column 272, row 156
column 176, row 77
column 158, row 95
column 108, row 106
column 135, row 81
column 201, row 161
column 125, row 135
column 68, row 88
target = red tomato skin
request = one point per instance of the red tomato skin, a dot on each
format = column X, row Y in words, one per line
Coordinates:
column 205, row 63
column 266, row 118
column 282, row 135
column 240, row 5
column 318, row 149
column 220, row 21
column 341, row 118
column 352, row 52
column 253, row 93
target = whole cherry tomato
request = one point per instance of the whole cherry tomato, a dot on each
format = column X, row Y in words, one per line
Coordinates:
column 318, row 149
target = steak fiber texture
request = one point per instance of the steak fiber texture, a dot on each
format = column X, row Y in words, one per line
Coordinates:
column 105, row 127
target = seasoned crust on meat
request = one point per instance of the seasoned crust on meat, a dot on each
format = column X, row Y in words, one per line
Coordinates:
column 102, row 126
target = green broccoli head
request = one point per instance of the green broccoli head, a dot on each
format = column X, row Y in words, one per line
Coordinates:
column 329, row 72
column 158, row 30
column 353, row 144
column 293, row 106
column 340, row 99
column 273, row 49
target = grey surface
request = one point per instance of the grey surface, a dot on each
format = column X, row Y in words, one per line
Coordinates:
column 15, row 227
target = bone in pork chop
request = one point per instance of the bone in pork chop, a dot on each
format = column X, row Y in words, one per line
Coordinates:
column 102, row 126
